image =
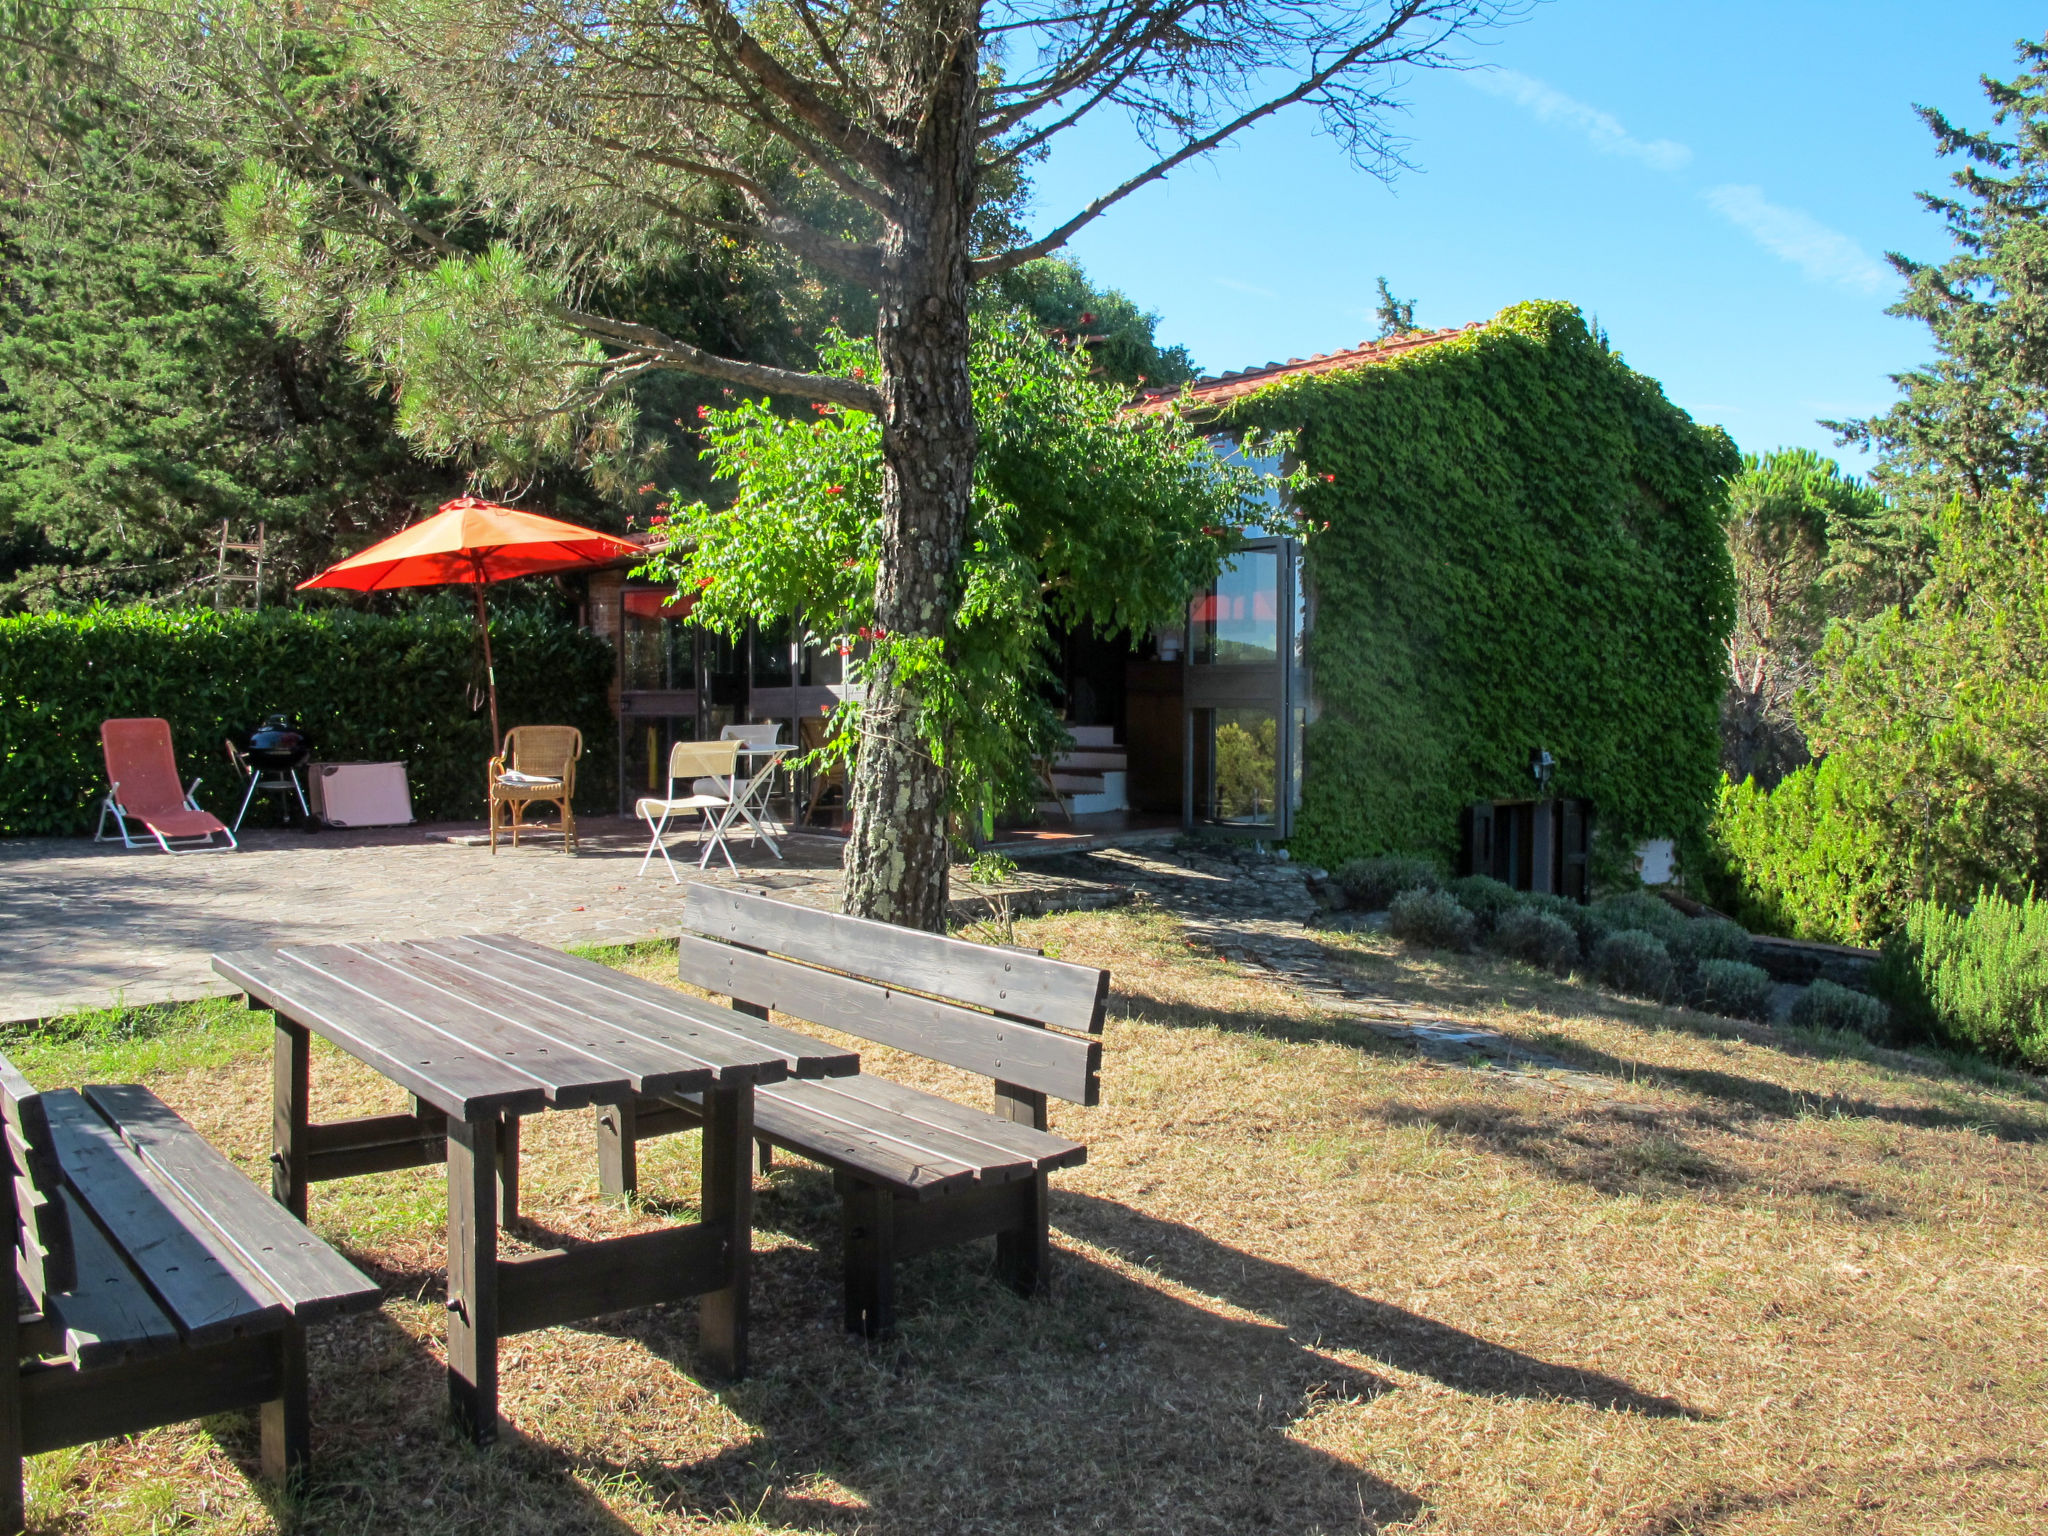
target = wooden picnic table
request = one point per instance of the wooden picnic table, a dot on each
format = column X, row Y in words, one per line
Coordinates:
column 480, row 1031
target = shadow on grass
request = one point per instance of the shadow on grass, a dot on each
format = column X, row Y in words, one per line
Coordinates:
column 1756, row 1096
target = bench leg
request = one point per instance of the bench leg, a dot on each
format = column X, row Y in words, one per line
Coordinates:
column 287, row 1421
column 508, row 1170
column 473, row 1276
column 1022, row 1251
column 728, row 1199
column 618, row 1148
column 291, row 1067
column 767, row 1157
column 13, row 1515
column 868, row 1217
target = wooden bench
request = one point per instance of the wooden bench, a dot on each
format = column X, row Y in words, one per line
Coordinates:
column 915, row 1171
column 160, row 1284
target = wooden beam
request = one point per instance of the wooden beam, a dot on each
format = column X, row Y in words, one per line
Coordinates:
column 473, row 1276
column 728, row 1202
column 291, row 1068
column 62, row 1405
column 543, row 1290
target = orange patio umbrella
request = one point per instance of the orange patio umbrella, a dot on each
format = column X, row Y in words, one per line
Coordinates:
column 473, row 542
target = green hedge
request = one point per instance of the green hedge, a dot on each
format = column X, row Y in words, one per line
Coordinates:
column 1524, row 549
column 366, row 688
column 1808, row 860
column 1977, row 979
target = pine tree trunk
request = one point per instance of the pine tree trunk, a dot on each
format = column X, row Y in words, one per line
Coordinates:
column 897, row 862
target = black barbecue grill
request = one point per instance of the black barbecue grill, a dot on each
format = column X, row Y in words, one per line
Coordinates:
column 271, row 761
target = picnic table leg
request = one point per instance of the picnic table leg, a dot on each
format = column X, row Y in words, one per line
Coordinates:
column 473, row 1276
column 287, row 1422
column 291, row 1066
column 729, row 1199
column 508, row 1170
column 618, row 1148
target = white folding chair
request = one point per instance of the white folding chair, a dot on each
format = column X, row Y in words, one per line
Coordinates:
column 758, row 742
column 711, row 768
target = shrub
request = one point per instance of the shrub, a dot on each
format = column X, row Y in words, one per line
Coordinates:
column 1574, row 915
column 1432, row 919
column 1829, row 1005
column 1977, row 979
column 1732, row 987
column 1810, row 859
column 1711, row 938
column 1372, row 884
column 1485, row 898
column 1536, row 938
column 364, row 687
column 1638, row 910
column 1634, row 960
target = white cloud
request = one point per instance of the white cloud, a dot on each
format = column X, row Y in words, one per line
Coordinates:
column 1824, row 254
column 1601, row 129
column 1251, row 288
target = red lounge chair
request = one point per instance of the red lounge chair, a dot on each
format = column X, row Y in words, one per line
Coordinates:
column 144, row 776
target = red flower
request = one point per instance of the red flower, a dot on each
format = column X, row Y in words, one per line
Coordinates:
column 646, row 488
column 656, row 522
column 835, row 490
column 1087, row 320
column 860, row 373
column 703, row 583
column 703, row 413
column 1329, row 479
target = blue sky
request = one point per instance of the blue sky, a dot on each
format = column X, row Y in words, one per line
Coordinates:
column 1718, row 184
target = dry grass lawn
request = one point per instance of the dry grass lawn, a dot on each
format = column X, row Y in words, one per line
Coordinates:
column 1307, row 1282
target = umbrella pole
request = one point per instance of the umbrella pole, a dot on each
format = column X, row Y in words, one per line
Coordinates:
column 483, row 622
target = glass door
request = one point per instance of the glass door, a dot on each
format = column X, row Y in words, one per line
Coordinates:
column 1243, row 719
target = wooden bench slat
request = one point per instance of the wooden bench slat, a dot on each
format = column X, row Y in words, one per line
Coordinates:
column 667, row 1017
column 455, row 1081
column 837, row 1144
column 29, row 1129
column 1054, row 992
column 916, row 1137
column 1004, row 1138
column 106, row 1315
column 569, row 1077
column 1058, row 1064
column 196, row 1277
column 310, row 1278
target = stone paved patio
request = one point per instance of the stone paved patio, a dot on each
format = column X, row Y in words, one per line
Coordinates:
column 85, row 925
column 89, row 926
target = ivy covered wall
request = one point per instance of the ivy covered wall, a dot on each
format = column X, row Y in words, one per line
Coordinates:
column 1523, row 549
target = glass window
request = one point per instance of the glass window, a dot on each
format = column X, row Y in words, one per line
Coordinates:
column 660, row 644
column 1237, row 766
column 647, row 740
column 1237, row 621
column 771, row 655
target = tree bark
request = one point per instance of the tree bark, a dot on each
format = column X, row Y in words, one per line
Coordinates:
column 897, row 861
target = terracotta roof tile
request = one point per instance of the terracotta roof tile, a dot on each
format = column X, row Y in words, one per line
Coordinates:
column 1230, row 386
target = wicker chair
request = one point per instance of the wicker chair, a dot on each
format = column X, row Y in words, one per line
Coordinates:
column 538, row 763
column 812, row 732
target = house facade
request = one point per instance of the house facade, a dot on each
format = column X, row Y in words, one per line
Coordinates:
column 1508, row 551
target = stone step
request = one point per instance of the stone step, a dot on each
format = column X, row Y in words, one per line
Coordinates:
column 1093, row 735
column 1088, row 794
column 1093, row 760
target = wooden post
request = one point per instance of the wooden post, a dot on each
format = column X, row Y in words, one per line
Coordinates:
column 13, row 1514
column 728, row 1201
column 1023, row 1251
column 868, row 1214
column 1024, row 1106
column 287, row 1422
column 473, row 1276
column 508, row 1170
column 291, row 1067
column 618, row 1147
